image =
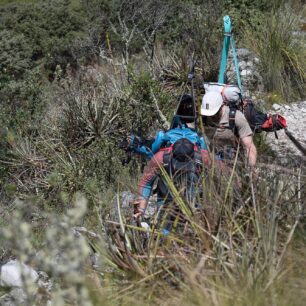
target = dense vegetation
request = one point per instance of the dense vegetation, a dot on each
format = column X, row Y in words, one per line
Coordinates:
column 75, row 76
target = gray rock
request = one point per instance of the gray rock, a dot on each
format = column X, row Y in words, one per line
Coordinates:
column 287, row 107
column 81, row 230
column 246, row 72
column 44, row 281
column 243, row 53
column 95, row 259
column 15, row 297
column 250, row 76
column 242, row 65
column 256, row 60
column 126, row 199
column 276, row 106
column 11, row 274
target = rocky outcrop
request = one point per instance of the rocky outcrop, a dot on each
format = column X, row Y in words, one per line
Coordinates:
column 23, row 284
column 248, row 63
column 12, row 273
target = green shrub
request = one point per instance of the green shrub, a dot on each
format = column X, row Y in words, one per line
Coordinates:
column 35, row 37
column 142, row 105
column 48, row 28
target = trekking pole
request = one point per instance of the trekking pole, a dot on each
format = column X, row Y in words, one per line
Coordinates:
column 295, row 142
column 190, row 79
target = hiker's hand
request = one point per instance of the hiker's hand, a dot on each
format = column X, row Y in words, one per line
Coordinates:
column 138, row 215
column 139, row 207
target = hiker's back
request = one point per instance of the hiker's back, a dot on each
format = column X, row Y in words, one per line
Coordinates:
column 183, row 164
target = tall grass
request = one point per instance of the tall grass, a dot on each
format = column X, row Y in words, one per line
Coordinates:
column 248, row 254
column 242, row 261
column 281, row 52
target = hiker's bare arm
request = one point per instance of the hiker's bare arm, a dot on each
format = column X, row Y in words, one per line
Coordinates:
column 250, row 150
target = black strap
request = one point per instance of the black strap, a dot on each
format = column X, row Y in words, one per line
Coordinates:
column 231, row 118
column 167, row 161
column 198, row 158
column 274, row 126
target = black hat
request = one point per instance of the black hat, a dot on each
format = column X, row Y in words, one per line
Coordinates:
column 183, row 150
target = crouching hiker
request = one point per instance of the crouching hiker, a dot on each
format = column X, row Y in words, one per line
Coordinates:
column 227, row 127
column 184, row 163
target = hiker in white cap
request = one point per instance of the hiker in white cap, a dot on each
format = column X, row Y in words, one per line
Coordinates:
column 223, row 135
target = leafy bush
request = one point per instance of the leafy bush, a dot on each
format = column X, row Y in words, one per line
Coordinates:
column 35, row 37
column 63, row 253
column 48, row 28
column 144, row 106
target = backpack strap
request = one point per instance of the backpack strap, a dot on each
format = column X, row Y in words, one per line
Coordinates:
column 255, row 118
column 167, row 161
column 198, row 158
column 231, row 117
column 232, row 110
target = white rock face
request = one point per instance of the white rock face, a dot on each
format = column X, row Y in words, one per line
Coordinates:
column 296, row 120
column 11, row 274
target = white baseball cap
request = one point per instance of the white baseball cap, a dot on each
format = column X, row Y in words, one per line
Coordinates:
column 211, row 103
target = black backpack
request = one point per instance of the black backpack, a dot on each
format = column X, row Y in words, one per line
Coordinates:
column 257, row 120
column 183, row 164
column 254, row 117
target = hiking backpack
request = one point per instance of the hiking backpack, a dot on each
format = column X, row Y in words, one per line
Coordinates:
column 183, row 164
column 260, row 121
column 163, row 139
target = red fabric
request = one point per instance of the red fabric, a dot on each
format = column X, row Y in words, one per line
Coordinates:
column 275, row 121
